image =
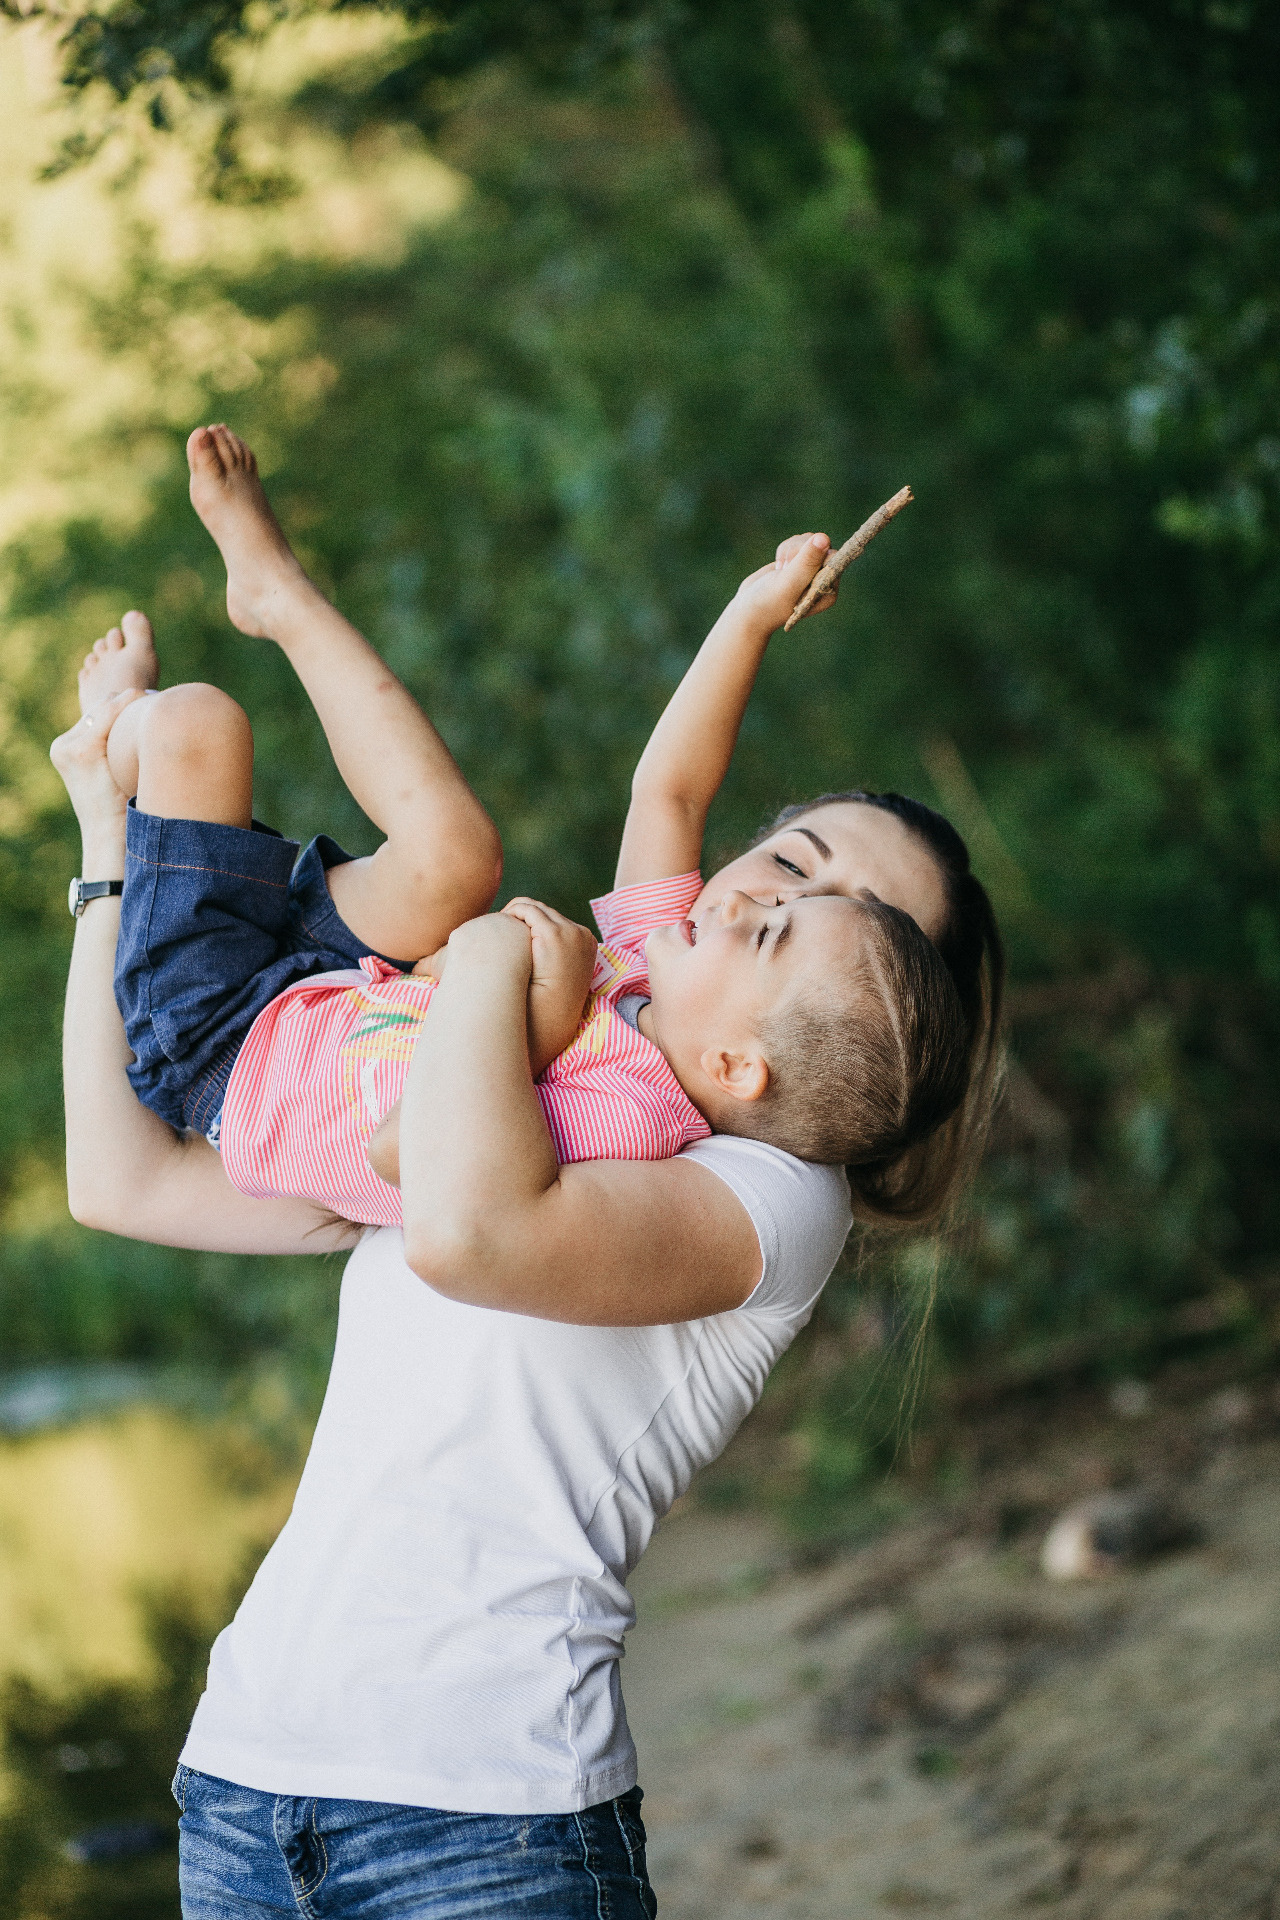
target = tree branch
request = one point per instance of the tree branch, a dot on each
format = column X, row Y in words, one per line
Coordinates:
column 826, row 577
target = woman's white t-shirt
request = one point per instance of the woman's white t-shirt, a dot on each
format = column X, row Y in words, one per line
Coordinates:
column 441, row 1620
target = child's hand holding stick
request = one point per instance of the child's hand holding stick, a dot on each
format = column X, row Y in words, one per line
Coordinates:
column 826, row 576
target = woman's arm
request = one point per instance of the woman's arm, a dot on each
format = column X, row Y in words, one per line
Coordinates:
column 563, row 960
column 489, row 1216
column 681, row 770
column 127, row 1172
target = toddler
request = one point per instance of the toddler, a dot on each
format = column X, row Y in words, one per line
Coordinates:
column 272, row 999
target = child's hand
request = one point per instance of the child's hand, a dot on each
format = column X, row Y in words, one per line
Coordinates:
column 564, row 959
column 769, row 595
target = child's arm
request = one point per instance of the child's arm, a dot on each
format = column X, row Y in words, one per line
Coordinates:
column 689, row 751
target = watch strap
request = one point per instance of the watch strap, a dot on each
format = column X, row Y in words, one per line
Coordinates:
column 82, row 891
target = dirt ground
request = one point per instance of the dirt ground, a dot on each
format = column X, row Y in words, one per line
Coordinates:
column 930, row 1725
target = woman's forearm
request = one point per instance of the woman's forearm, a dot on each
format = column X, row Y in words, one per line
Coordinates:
column 119, row 1155
column 103, row 1119
column 127, row 1172
column 474, row 1146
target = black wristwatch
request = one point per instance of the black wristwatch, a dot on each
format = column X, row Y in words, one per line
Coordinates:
column 81, row 892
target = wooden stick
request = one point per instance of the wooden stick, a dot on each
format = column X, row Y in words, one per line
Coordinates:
column 826, row 576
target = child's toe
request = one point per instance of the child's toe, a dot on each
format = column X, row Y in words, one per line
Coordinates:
column 202, row 450
column 136, row 626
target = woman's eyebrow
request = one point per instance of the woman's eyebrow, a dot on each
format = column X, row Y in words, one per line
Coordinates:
column 821, row 845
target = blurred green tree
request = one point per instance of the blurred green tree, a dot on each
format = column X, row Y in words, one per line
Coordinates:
column 729, row 269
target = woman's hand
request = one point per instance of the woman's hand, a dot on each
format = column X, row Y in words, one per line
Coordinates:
column 491, row 937
column 563, row 958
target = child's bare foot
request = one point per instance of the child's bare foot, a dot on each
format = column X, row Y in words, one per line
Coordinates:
column 123, row 658
column 263, row 577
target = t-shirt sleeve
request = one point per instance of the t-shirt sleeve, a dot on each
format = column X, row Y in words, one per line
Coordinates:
column 627, row 916
column 801, row 1213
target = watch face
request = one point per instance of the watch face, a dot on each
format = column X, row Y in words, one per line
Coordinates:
column 73, row 896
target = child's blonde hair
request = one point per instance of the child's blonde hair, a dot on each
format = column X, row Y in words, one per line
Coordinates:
column 915, row 1083
column 866, row 1062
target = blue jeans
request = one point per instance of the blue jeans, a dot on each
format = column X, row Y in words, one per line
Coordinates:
column 215, row 922
column 244, row 1855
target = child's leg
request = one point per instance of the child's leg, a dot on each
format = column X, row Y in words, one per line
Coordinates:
column 208, row 922
column 441, row 861
column 185, row 754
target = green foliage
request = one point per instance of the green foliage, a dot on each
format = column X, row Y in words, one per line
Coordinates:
column 725, row 272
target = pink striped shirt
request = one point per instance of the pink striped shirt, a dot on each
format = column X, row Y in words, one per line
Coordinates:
column 324, row 1063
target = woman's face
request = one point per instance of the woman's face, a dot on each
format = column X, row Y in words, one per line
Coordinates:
column 843, row 847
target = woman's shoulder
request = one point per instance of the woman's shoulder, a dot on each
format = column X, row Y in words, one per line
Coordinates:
column 801, row 1212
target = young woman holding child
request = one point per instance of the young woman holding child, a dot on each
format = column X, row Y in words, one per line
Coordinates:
column 416, row 1708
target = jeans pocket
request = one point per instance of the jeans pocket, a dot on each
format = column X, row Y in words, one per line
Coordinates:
column 627, row 1811
column 178, row 1787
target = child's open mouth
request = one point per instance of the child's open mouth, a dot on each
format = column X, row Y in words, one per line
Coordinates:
column 688, row 932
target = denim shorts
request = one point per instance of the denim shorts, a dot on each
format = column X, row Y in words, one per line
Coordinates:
column 214, row 923
column 246, row 1855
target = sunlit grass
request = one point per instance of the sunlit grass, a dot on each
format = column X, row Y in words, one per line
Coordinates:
column 67, row 401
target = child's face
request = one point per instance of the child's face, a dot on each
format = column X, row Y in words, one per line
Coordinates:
column 717, row 977
column 838, row 849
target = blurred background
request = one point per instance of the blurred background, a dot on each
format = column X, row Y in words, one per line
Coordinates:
column 547, row 322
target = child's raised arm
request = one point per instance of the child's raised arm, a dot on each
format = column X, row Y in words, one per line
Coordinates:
column 688, row 755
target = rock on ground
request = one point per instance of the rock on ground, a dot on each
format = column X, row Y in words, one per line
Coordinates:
column 929, row 1726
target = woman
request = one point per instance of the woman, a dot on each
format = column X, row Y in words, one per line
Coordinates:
column 416, row 1709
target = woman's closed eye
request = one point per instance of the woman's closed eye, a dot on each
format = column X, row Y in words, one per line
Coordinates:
column 791, row 867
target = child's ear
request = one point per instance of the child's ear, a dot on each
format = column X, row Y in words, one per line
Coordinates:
column 742, row 1076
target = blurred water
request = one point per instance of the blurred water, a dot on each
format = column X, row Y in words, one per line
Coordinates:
column 40, row 1399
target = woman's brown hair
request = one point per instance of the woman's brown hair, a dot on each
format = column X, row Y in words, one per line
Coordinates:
column 920, row 1178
